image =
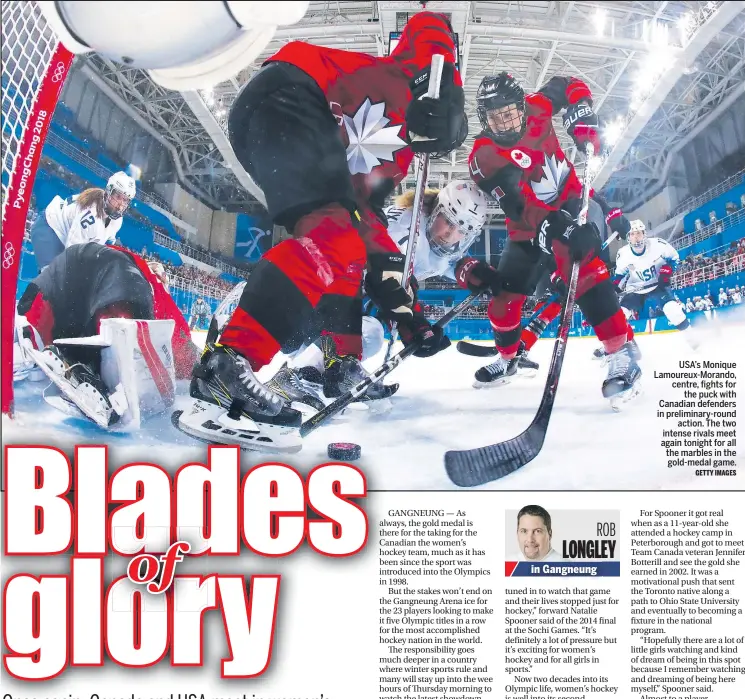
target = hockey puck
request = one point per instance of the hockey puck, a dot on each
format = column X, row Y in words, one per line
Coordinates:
column 345, row 451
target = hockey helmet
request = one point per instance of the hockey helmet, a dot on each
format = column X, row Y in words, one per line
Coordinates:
column 500, row 104
column 457, row 218
column 638, row 236
column 185, row 57
column 120, row 190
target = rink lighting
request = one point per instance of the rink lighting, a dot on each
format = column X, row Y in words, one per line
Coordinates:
column 613, row 131
column 134, row 172
column 599, row 21
column 685, row 25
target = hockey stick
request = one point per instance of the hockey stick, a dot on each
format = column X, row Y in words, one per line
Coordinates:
column 433, row 91
column 473, row 350
column 386, row 368
column 472, row 467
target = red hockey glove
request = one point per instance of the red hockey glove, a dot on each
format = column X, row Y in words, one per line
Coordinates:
column 477, row 276
column 581, row 124
column 618, row 223
column 665, row 275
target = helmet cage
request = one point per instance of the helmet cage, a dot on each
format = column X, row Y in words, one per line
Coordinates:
column 113, row 213
column 496, row 93
column 469, row 232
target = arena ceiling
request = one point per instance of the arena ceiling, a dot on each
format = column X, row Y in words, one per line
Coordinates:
column 657, row 71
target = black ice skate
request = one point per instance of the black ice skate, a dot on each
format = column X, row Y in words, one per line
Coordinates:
column 622, row 383
column 343, row 373
column 299, row 386
column 80, row 385
column 503, row 371
column 233, row 407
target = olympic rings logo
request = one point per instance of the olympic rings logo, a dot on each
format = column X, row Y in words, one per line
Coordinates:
column 59, row 72
column 9, row 255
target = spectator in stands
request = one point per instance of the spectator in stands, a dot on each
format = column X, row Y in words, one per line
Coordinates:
column 723, row 298
column 94, row 215
column 736, row 296
column 200, row 311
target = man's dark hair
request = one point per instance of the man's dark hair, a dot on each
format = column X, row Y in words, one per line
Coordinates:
column 536, row 511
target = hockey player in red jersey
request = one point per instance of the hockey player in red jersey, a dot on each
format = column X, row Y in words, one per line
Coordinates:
column 517, row 159
column 327, row 134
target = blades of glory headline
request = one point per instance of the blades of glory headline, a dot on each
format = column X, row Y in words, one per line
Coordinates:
column 156, row 520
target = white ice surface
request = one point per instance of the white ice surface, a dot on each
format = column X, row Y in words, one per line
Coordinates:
column 588, row 447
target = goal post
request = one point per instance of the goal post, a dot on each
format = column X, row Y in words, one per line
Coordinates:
column 34, row 68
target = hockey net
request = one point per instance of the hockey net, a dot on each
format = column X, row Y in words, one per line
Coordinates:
column 34, row 68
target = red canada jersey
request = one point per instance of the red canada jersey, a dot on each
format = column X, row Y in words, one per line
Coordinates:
column 368, row 97
column 534, row 176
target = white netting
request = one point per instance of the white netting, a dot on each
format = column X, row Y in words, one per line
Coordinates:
column 27, row 48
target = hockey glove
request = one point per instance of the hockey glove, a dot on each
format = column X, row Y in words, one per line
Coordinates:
column 618, row 223
column 618, row 283
column 558, row 285
column 665, row 275
column 581, row 124
column 430, row 338
column 559, row 226
column 441, row 121
column 383, row 286
column 477, row 276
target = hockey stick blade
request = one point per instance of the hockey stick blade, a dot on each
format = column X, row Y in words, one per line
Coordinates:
column 474, row 350
column 383, row 370
column 472, row 467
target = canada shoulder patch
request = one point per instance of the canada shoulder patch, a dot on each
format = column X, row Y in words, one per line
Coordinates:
column 522, row 159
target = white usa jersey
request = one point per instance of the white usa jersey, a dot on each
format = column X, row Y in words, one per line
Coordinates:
column 426, row 263
column 641, row 271
column 74, row 225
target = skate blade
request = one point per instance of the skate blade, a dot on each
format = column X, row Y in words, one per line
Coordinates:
column 381, row 406
column 618, row 402
column 87, row 404
column 520, row 374
column 65, row 406
column 493, row 384
column 209, row 423
column 304, row 409
column 20, row 374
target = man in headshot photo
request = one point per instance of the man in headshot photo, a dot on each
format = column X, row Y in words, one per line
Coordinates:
column 534, row 534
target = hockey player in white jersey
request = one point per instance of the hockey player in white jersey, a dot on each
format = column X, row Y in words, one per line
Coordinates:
column 93, row 216
column 452, row 220
column 644, row 269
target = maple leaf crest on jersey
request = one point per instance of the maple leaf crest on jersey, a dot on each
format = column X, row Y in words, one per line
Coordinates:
column 370, row 139
column 555, row 172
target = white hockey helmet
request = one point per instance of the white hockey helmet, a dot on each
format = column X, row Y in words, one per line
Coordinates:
column 183, row 45
column 120, row 190
column 638, row 236
column 463, row 207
